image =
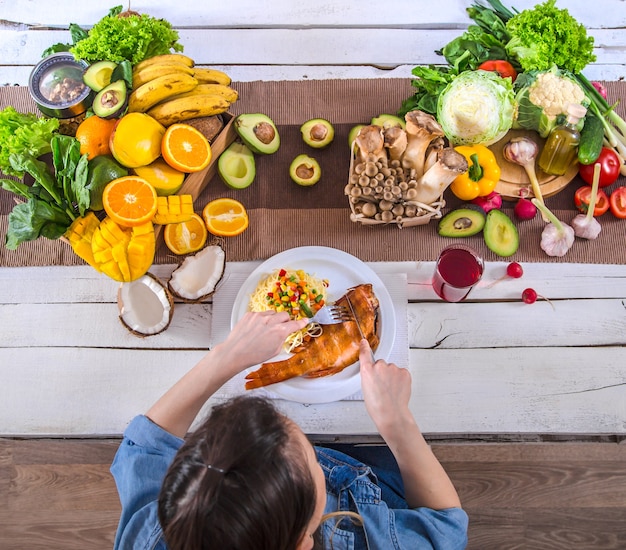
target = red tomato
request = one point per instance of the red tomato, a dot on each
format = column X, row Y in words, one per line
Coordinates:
column 581, row 200
column 503, row 68
column 618, row 203
column 609, row 168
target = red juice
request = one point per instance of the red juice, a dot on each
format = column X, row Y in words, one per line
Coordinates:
column 458, row 270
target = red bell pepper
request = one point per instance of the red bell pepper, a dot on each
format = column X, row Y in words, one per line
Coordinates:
column 503, row 68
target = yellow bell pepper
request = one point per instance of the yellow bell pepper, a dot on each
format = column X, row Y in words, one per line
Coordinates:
column 482, row 176
column 173, row 209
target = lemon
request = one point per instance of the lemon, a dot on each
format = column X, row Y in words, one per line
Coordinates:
column 165, row 179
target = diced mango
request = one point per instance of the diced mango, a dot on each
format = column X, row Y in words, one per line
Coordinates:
column 173, row 209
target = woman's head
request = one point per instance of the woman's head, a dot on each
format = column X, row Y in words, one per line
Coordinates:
column 246, row 478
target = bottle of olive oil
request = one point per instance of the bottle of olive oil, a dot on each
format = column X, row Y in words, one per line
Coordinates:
column 561, row 147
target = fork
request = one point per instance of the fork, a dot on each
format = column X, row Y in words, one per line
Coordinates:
column 331, row 314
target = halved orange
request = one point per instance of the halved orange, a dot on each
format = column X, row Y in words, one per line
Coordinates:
column 185, row 148
column 225, row 217
column 186, row 237
column 130, row 201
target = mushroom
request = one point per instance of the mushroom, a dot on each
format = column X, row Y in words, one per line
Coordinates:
column 421, row 128
column 440, row 175
column 371, row 144
column 396, row 141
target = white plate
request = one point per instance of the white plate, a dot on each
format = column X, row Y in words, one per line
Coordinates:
column 342, row 271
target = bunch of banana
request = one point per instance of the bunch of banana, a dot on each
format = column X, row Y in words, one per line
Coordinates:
column 171, row 89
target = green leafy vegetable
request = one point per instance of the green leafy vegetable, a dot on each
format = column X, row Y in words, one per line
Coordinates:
column 23, row 133
column 134, row 37
column 56, row 196
column 76, row 32
column 476, row 107
column 545, row 35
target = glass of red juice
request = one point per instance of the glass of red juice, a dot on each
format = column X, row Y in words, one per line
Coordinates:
column 458, row 269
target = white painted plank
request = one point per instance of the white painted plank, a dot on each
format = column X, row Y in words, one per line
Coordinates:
column 288, row 13
column 566, row 390
column 431, row 325
column 297, row 46
column 65, row 284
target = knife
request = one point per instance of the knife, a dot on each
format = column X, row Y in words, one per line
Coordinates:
column 358, row 325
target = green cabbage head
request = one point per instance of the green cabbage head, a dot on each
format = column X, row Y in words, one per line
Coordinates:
column 476, row 107
column 542, row 99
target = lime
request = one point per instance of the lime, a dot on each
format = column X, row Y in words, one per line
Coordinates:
column 102, row 170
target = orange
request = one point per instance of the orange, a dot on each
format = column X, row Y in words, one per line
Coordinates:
column 225, row 217
column 94, row 133
column 185, row 148
column 130, row 201
column 186, row 237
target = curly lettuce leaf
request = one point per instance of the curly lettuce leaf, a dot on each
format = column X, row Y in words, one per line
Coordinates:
column 133, row 37
column 23, row 133
column 545, row 35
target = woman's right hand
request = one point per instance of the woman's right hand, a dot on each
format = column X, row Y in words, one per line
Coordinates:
column 386, row 390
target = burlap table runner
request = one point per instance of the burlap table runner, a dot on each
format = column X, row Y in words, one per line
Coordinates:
column 284, row 215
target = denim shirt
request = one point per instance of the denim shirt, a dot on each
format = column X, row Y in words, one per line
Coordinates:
column 147, row 451
column 388, row 523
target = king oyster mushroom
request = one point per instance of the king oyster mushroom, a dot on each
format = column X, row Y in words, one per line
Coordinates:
column 196, row 278
column 146, row 306
column 421, row 128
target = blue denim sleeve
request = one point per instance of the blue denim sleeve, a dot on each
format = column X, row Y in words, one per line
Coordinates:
column 138, row 468
column 444, row 529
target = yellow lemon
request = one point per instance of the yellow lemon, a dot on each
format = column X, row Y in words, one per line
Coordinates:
column 165, row 179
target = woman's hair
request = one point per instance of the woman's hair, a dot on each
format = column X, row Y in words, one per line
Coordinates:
column 241, row 480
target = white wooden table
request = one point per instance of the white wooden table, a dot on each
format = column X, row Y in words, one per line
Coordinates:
column 492, row 365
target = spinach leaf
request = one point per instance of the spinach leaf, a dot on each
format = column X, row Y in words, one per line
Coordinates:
column 30, row 220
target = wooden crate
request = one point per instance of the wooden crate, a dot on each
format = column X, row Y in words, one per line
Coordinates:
column 195, row 183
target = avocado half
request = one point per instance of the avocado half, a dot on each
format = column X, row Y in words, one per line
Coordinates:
column 98, row 75
column 236, row 166
column 305, row 170
column 500, row 233
column 462, row 222
column 387, row 121
column 111, row 101
column 258, row 132
column 317, row 132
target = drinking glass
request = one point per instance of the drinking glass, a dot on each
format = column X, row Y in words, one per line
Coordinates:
column 458, row 269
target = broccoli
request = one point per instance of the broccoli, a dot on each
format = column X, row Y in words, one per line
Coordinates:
column 545, row 35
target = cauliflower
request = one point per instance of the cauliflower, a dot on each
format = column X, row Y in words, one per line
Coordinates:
column 544, row 95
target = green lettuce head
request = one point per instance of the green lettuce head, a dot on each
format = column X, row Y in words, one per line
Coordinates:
column 542, row 99
column 476, row 107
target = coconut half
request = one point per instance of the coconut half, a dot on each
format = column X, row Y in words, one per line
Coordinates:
column 196, row 278
column 146, row 305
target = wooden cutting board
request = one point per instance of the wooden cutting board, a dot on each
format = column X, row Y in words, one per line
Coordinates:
column 513, row 177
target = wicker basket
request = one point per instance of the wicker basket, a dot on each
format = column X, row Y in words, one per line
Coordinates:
column 389, row 191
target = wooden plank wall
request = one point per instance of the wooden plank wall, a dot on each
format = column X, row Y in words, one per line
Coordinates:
column 282, row 40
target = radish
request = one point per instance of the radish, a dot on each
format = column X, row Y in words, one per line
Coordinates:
column 524, row 209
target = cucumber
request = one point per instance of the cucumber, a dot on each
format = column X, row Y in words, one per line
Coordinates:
column 591, row 138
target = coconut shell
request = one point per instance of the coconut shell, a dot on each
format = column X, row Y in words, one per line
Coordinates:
column 204, row 296
column 170, row 299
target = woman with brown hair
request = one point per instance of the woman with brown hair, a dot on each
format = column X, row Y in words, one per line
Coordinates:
column 248, row 478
